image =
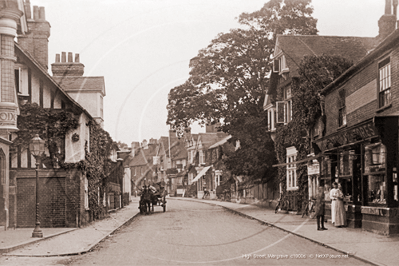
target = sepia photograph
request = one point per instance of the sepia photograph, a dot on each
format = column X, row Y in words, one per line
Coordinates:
column 199, row 132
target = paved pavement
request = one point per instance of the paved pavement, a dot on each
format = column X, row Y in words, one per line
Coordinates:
column 64, row 241
column 370, row 247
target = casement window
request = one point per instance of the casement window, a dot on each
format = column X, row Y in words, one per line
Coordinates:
column 291, row 169
column 284, row 108
column 384, row 88
column 280, row 64
column 86, row 195
column 271, row 119
column 341, row 108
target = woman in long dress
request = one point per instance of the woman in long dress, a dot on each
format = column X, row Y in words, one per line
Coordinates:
column 338, row 214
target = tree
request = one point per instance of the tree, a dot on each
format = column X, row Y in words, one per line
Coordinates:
column 122, row 146
column 228, row 80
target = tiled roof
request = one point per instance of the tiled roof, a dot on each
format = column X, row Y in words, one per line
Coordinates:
column 178, row 150
column 382, row 47
column 144, row 156
column 221, row 142
column 71, row 83
column 295, row 47
column 208, row 139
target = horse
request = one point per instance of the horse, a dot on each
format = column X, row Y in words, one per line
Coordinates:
column 145, row 200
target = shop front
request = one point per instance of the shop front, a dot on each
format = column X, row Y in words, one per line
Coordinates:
column 363, row 160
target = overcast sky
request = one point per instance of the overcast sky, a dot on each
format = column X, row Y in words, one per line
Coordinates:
column 143, row 47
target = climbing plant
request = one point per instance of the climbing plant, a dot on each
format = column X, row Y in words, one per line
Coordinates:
column 315, row 73
column 51, row 125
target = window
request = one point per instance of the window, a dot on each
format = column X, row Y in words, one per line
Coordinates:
column 271, row 119
column 291, row 169
column 284, row 108
column 384, row 95
column 86, row 185
column 280, row 64
column 342, row 109
column 374, row 161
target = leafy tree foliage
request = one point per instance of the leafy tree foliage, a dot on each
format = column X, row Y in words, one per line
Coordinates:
column 228, row 80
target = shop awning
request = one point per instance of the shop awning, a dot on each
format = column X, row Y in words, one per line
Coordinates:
column 203, row 172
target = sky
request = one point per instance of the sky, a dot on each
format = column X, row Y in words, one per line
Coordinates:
column 143, row 47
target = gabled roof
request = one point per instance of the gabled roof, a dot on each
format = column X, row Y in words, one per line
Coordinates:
column 295, row 47
column 82, row 84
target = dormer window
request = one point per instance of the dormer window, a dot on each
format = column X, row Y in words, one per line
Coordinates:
column 280, row 65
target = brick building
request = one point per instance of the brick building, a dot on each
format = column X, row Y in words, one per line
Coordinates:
column 288, row 54
column 360, row 147
column 24, row 66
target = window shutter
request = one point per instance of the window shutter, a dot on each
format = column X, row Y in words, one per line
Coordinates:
column 280, row 108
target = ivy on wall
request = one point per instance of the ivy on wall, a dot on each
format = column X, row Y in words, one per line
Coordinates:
column 315, row 73
column 52, row 125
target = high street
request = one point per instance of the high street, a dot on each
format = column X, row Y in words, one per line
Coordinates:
column 197, row 233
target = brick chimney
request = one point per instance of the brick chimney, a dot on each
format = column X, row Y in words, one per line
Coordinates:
column 387, row 23
column 35, row 41
column 135, row 146
column 62, row 67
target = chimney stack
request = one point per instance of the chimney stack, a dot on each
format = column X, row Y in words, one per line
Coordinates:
column 387, row 22
column 135, row 146
column 35, row 41
column 67, row 68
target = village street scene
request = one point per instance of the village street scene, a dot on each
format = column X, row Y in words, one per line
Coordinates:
column 176, row 132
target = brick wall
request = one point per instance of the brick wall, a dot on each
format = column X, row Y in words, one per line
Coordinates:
column 366, row 105
column 60, row 198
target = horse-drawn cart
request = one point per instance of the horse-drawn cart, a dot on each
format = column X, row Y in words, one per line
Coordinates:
column 151, row 196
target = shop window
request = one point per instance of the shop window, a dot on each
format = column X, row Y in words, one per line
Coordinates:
column 375, row 169
column 384, row 76
column 342, row 109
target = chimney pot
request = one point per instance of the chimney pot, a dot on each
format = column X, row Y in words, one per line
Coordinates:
column 76, row 58
column 35, row 12
column 28, row 11
column 63, row 57
column 70, row 56
column 42, row 14
column 57, row 58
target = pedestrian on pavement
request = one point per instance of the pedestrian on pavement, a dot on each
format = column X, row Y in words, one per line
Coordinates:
column 338, row 215
column 319, row 209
